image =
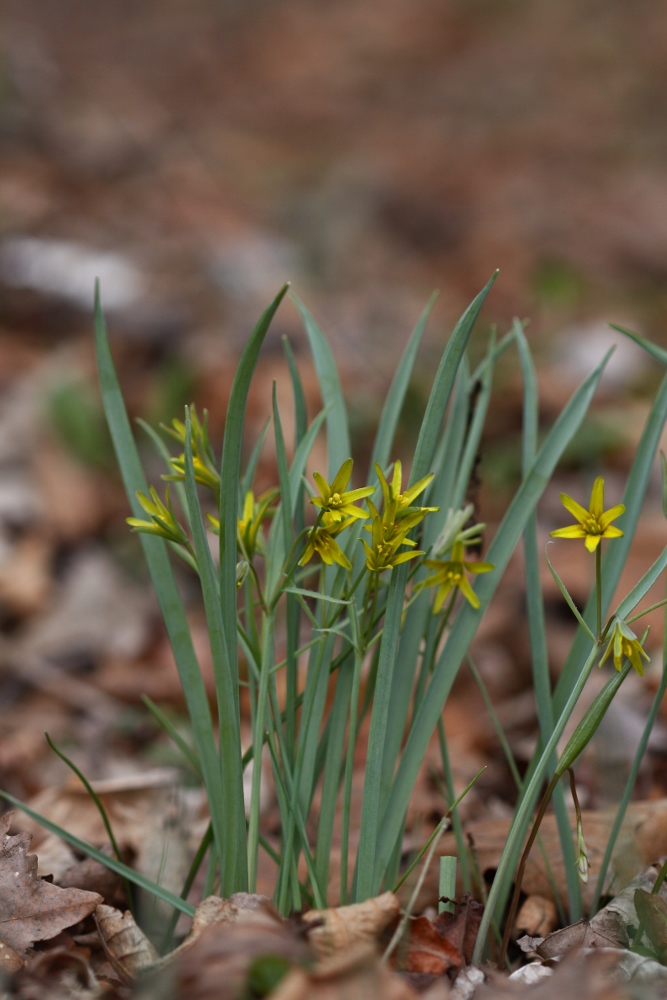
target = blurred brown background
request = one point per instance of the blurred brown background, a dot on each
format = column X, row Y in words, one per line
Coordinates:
column 195, row 155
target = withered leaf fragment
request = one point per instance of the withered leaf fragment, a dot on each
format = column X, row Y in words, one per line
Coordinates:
column 31, row 909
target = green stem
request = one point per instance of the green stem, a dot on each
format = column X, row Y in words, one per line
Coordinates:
column 598, row 592
column 511, row 914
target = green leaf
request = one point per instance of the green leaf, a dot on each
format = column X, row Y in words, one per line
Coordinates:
column 393, row 405
column 232, row 849
column 338, row 434
column 467, row 620
column 614, row 558
column 442, row 387
column 162, row 576
column 368, row 877
column 230, row 474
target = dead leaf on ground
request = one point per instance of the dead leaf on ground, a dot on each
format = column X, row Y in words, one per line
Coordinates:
column 537, row 917
column 652, row 911
column 31, row 909
column 339, row 928
column 219, row 962
column 126, row 946
column 348, row 975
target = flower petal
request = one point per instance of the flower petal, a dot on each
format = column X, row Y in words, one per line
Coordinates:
column 612, row 532
column 597, row 498
column 572, row 531
column 574, row 508
column 468, row 592
column 592, row 541
column 322, row 486
column 611, row 515
column 342, row 477
column 479, row 567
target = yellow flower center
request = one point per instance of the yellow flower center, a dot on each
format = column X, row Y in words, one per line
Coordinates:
column 453, row 575
column 592, row 526
column 335, row 500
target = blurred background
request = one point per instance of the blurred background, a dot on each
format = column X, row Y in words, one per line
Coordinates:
column 195, row 155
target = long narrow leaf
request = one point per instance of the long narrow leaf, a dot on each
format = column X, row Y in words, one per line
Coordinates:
column 230, row 472
column 393, row 404
column 338, row 434
column 232, row 848
column 443, row 385
column 163, row 579
column 467, row 620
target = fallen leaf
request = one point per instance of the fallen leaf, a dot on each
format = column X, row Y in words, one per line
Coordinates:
column 219, row 962
column 652, row 912
column 338, row 928
column 31, row 909
column 461, row 927
column 126, row 946
column 537, row 917
column 347, row 976
column 427, row 951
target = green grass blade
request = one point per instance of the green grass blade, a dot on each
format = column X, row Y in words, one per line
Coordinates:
column 448, row 456
column 536, row 621
column 170, row 729
column 442, row 387
column 629, row 788
column 474, row 435
column 614, row 558
column 230, row 474
column 300, row 410
column 333, row 771
column 338, row 433
column 99, row 805
column 375, row 791
column 253, row 461
column 467, row 620
column 162, row 576
column 659, row 353
column 393, row 405
column 111, row 863
column 231, row 812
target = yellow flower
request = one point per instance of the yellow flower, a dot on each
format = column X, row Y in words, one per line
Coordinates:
column 383, row 554
column 403, row 501
column 203, row 459
column 594, row 523
column 323, row 542
column 335, row 500
column 162, row 518
column 451, row 574
column 624, row 642
column 254, row 512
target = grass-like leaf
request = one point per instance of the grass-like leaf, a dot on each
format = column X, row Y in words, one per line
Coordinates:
column 393, row 404
column 338, row 434
column 232, row 849
column 163, row 579
column 443, row 385
column 446, row 669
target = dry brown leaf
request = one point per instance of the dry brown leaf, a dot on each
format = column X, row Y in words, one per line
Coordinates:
column 347, row 976
column 461, row 927
column 31, row 909
column 537, row 917
column 427, row 951
column 216, row 965
column 126, row 946
column 339, row 928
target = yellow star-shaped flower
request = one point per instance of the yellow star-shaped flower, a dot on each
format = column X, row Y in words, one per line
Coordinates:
column 594, row 523
column 335, row 499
